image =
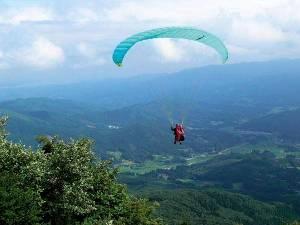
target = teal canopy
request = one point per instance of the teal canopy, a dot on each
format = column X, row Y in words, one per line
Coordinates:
column 171, row 32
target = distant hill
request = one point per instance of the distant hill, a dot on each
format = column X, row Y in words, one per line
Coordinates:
column 265, row 83
column 219, row 105
column 138, row 131
column 284, row 124
column 29, row 118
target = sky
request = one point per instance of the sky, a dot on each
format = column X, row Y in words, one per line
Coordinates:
column 70, row 40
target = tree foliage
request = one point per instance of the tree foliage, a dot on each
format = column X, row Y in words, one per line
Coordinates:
column 217, row 207
column 63, row 183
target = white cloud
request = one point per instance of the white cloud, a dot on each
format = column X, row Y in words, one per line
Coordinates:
column 28, row 14
column 86, row 50
column 239, row 51
column 193, row 12
column 255, row 32
column 89, row 56
column 160, row 11
column 83, row 15
column 168, row 50
column 100, row 61
column 251, row 29
column 3, row 63
column 89, row 31
column 41, row 54
column 186, row 51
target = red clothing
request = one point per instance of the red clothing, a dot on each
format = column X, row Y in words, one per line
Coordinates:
column 179, row 133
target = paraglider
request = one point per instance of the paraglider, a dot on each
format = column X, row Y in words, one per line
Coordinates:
column 187, row 33
column 178, row 131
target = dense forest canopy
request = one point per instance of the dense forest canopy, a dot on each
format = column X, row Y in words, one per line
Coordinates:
column 63, row 183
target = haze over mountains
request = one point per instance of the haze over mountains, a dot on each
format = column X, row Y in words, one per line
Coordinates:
column 133, row 115
column 204, row 83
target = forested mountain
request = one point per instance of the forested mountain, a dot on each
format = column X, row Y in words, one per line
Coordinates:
column 221, row 108
column 239, row 163
column 216, row 207
column 275, row 82
column 284, row 124
column 192, row 194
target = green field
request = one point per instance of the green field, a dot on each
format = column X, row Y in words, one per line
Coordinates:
column 168, row 162
column 158, row 162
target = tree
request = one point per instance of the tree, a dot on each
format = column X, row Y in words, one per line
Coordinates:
column 62, row 182
column 295, row 223
column 20, row 176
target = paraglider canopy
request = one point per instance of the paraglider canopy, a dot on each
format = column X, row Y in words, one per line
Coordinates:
column 171, row 32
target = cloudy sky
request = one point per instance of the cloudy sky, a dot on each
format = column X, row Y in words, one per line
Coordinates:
column 71, row 40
